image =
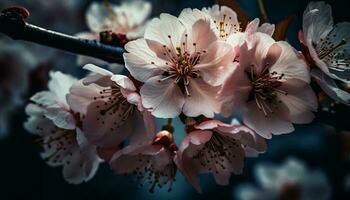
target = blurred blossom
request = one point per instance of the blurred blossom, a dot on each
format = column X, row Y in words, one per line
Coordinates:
column 326, row 46
column 15, row 64
column 56, row 125
column 114, row 25
column 291, row 180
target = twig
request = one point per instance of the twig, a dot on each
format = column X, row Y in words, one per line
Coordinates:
column 13, row 24
column 263, row 11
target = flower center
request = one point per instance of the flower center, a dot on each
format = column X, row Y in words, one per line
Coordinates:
column 266, row 90
column 57, row 145
column 226, row 27
column 218, row 153
column 116, row 105
column 146, row 173
column 330, row 52
column 327, row 48
column 181, row 65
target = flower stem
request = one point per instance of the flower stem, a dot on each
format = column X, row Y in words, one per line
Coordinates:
column 263, row 11
column 169, row 126
column 14, row 25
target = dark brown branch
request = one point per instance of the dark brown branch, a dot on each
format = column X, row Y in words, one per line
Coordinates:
column 13, row 24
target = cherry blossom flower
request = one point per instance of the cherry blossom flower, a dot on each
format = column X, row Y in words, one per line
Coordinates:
column 150, row 162
column 120, row 22
column 326, row 46
column 181, row 63
column 113, row 110
column 291, row 180
column 226, row 22
column 217, row 148
column 272, row 84
column 57, row 126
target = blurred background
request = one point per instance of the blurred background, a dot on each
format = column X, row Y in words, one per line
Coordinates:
column 322, row 147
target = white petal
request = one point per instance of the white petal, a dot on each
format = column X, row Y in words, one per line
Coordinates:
column 164, row 98
column 234, row 91
column 159, row 29
column 290, row 64
column 60, row 84
column 140, row 58
column 317, row 21
column 98, row 70
column 106, row 128
column 189, row 17
column 80, row 96
column 61, row 118
column 202, row 100
column 217, row 64
column 330, row 87
column 123, row 82
column 202, row 35
column 267, row 28
column 45, row 98
column 266, row 126
column 301, row 101
column 252, row 27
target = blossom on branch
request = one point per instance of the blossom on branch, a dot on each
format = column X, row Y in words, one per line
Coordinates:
column 217, row 148
column 327, row 47
column 114, row 25
column 181, row 64
column 113, row 110
column 63, row 142
column 272, row 84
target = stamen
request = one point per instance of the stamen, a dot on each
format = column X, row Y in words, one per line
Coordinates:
column 324, row 52
column 182, row 67
column 217, row 153
column 266, row 89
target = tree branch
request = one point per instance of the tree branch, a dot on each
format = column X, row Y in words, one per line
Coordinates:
column 13, row 24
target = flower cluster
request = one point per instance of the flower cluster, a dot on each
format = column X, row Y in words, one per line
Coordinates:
column 196, row 66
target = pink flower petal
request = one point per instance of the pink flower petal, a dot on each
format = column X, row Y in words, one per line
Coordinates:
column 217, row 63
column 202, row 99
column 276, row 123
column 139, row 61
column 163, row 97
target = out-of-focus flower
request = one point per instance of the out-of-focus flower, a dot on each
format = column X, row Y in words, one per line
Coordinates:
column 327, row 47
column 114, row 25
column 128, row 19
column 182, row 64
column 150, row 162
column 272, row 84
column 15, row 65
column 57, row 125
column 113, row 110
column 347, row 182
column 217, row 148
column 292, row 180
